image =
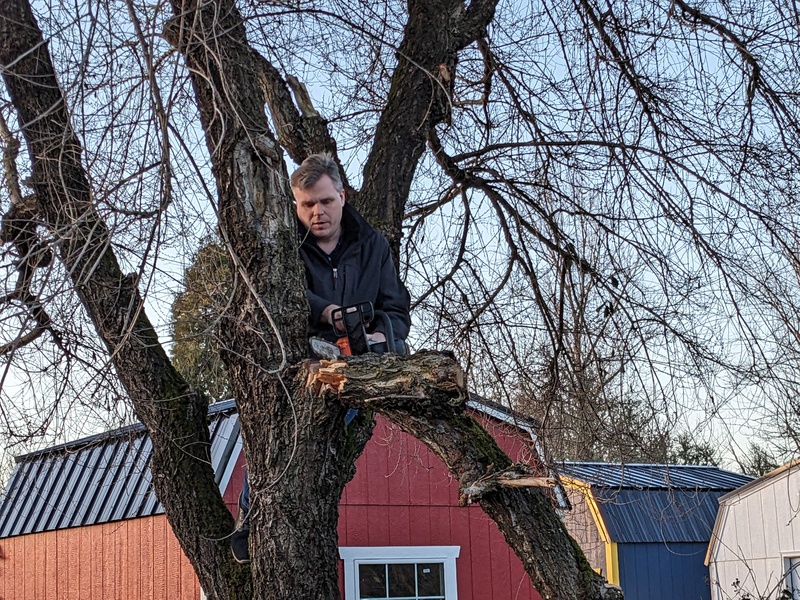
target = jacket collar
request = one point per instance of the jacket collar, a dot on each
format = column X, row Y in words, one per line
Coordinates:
column 354, row 228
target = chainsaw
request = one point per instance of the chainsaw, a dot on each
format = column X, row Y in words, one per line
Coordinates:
column 350, row 323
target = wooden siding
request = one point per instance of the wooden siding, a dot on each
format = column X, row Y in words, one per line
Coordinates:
column 582, row 527
column 135, row 558
column 756, row 530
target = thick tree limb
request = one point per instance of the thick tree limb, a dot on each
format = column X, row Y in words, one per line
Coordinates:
column 424, row 395
column 420, row 97
column 174, row 414
column 300, row 133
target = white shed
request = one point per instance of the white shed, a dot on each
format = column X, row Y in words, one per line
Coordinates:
column 755, row 545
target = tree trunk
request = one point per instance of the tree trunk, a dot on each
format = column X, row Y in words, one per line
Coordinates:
column 299, row 465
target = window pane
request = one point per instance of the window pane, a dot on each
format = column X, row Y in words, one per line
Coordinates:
column 401, row 581
column 431, row 579
column 372, row 581
column 794, row 577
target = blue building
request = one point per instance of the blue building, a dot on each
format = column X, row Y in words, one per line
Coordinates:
column 646, row 527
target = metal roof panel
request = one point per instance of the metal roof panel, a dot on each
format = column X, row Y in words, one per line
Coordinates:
column 101, row 478
column 653, row 515
column 648, row 503
column 9, row 505
column 641, row 476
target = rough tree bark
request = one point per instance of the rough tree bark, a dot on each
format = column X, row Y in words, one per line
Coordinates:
column 299, row 454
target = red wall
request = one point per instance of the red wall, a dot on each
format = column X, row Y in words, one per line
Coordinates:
column 402, row 495
column 137, row 558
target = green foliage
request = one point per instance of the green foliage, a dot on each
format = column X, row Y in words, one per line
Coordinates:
column 195, row 316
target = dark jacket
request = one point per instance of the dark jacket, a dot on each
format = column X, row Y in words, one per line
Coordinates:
column 362, row 272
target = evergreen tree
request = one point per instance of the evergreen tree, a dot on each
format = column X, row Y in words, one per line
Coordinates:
column 195, row 317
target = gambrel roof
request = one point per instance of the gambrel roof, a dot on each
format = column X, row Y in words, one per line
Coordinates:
column 101, row 478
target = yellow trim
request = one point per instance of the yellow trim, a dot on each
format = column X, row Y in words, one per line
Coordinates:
column 611, row 551
column 612, row 563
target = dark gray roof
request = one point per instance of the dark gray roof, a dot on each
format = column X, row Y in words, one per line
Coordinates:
column 642, row 476
column 100, row 479
column 643, row 503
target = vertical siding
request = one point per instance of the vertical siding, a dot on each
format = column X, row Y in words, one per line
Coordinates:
column 402, row 495
column 663, row 571
column 231, row 495
column 581, row 526
column 138, row 558
column 756, row 530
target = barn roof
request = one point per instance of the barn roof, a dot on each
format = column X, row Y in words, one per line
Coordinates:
column 101, row 478
column 644, row 503
column 106, row 477
column 652, row 476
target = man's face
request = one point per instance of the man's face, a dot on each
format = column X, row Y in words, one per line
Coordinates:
column 319, row 208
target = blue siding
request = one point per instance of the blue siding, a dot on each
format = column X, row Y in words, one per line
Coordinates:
column 663, row 571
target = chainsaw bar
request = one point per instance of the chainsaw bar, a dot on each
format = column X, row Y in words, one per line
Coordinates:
column 324, row 348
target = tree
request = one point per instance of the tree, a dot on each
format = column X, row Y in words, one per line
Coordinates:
column 195, row 314
column 300, row 462
column 757, row 461
column 687, row 450
column 496, row 134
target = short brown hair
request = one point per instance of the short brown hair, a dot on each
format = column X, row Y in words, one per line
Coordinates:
column 313, row 168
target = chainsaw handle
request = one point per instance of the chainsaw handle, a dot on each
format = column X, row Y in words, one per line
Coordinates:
column 350, row 323
column 352, row 320
column 388, row 331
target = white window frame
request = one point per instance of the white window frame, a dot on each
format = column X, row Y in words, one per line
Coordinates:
column 791, row 577
column 382, row 555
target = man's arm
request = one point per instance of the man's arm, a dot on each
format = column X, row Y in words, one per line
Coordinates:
column 320, row 308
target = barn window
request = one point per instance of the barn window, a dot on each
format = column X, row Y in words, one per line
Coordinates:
column 400, row 572
column 792, row 569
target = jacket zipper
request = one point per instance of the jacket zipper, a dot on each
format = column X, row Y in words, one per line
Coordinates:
column 335, row 275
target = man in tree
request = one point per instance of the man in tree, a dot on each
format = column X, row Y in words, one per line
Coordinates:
column 347, row 262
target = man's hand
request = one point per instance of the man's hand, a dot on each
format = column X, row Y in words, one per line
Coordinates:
column 325, row 317
column 377, row 337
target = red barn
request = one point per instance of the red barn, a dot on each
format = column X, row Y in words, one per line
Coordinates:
column 81, row 521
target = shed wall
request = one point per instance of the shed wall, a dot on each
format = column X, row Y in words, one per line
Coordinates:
column 402, row 495
column 756, row 531
column 663, row 571
column 135, row 558
column 581, row 526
